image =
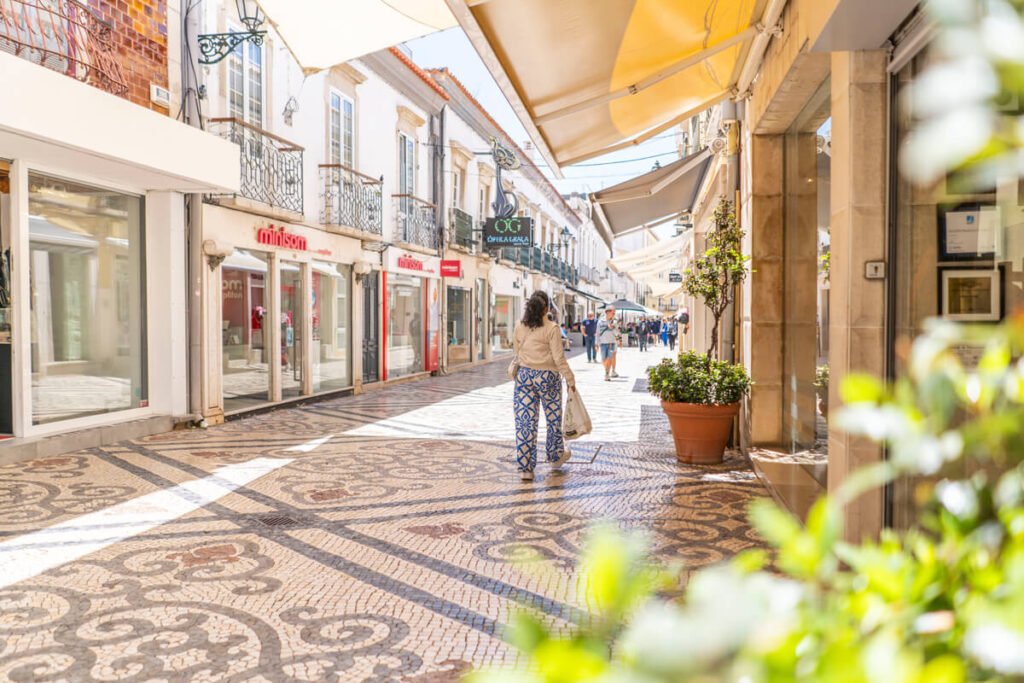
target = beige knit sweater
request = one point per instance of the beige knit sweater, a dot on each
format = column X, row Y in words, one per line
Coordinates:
column 541, row 348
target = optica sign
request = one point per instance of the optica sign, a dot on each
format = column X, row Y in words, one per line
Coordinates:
column 516, row 231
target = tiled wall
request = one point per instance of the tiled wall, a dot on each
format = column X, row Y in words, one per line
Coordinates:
column 140, row 38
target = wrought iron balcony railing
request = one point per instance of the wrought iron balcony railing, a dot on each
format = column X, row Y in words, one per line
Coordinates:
column 271, row 166
column 65, row 36
column 462, row 229
column 417, row 221
column 351, row 199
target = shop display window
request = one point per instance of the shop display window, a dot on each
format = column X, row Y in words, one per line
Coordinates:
column 458, row 326
column 291, row 329
column 332, row 313
column 244, row 319
column 405, row 325
column 87, row 278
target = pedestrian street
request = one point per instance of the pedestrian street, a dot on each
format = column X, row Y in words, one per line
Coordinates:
column 378, row 537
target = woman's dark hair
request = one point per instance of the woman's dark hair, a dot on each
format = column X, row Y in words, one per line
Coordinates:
column 536, row 305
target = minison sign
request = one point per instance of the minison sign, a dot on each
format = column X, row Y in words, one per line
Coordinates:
column 508, row 232
column 275, row 236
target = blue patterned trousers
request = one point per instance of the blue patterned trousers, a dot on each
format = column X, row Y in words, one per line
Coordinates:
column 534, row 389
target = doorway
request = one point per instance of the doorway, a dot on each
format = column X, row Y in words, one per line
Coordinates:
column 6, row 373
column 371, row 328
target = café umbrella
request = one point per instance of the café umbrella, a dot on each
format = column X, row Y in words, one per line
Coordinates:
column 626, row 305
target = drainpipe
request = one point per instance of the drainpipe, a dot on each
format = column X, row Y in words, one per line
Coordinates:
column 439, row 143
column 193, row 215
column 732, row 112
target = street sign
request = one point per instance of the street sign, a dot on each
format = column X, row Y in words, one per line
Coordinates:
column 675, row 277
column 516, row 231
column 451, row 268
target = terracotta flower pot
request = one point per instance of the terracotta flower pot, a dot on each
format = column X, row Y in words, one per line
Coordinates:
column 700, row 432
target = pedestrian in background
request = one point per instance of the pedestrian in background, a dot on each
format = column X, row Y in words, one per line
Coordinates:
column 673, row 330
column 664, row 332
column 537, row 342
column 684, row 325
column 642, row 332
column 590, row 337
column 655, row 328
column 606, row 337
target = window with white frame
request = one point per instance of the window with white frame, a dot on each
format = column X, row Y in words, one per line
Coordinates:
column 457, row 188
column 245, row 83
column 341, row 138
column 482, row 208
column 406, row 182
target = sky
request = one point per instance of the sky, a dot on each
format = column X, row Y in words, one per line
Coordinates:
column 452, row 49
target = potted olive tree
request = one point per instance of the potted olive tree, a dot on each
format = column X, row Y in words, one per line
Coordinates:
column 700, row 393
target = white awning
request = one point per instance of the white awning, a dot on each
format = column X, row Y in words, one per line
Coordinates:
column 638, row 256
column 652, row 198
column 663, row 289
column 323, row 33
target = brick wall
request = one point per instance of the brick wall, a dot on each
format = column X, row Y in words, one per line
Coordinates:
column 139, row 32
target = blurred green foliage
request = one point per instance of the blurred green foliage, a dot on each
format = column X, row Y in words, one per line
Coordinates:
column 940, row 603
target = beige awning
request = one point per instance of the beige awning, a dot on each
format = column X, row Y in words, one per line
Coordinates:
column 588, row 77
column 651, row 251
column 663, row 289
column 323, row 33
column 654, row 197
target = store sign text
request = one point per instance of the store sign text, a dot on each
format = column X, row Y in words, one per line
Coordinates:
column 451, row 268
column 409, row 263
column 275, row 236
column 516, row 231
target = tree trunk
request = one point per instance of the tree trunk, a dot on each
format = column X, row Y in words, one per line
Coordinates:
column 713, row 350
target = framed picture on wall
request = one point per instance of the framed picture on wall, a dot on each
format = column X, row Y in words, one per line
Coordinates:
column 968, row 232
column 971, row 294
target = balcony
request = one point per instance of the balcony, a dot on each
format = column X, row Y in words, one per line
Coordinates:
column 271, row 166
column 416, row 221
column 351, row 199
column 462, row 229
column 64, row 36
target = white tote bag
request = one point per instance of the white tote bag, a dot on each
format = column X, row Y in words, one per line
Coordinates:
column 576, row 421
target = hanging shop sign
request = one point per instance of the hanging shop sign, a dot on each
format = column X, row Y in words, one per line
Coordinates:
column 516, row 231
column 675, row 277
column 451, row 268
column 275, row 236
column 413, row 264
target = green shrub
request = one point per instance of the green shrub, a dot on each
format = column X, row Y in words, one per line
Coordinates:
column 696, row 378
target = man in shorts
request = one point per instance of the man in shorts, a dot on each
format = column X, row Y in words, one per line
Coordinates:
column 607, row 331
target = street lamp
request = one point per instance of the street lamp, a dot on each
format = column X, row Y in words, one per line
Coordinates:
column 216, row 46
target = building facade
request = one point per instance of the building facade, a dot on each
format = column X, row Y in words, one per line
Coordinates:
column 94, row 175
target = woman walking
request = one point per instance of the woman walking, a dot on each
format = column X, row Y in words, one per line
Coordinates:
column 538, row 346
column 664, row 332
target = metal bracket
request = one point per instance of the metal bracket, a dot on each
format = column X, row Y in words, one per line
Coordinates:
column 214, row 260
column 214, row 47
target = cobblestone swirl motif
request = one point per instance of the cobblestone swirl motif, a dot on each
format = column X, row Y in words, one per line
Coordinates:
column 387, row 542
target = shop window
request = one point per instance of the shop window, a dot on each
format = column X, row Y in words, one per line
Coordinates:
column 806, row 289
column 406, row 338
column 291, row 329
column 87, row 276
column 244, row 332
column 331, row 347
column 503, row 322
column 459, row 325
column 6, row 375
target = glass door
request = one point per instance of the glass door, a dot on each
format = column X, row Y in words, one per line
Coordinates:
column 6, row 374
column 371, row 327
column 291, row 329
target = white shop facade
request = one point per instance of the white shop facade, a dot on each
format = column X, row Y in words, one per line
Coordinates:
column 280, row 303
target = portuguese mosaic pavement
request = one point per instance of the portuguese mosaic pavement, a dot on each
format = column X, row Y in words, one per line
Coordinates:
column 370, row 538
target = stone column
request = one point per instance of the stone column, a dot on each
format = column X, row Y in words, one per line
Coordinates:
column 857, row 305
column 356, row 332
column 761, row 300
